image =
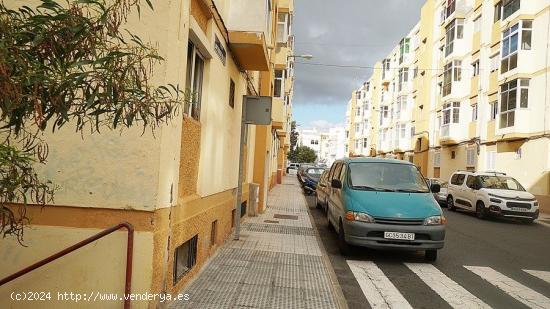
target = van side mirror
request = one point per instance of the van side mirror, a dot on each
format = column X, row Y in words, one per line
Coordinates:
column 336, row 184
column 435, row 188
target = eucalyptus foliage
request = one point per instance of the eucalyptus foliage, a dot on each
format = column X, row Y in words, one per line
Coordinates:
column 70, row 62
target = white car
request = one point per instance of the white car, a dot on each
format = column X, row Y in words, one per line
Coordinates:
column 441, row 196
column 491, row 193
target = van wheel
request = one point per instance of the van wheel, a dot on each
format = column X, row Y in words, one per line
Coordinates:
column 430, row 255
column 480, row 210
column 343, row 246
column 450, row 203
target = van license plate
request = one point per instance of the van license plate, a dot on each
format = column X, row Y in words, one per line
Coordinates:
column 520, row 209
column 400, row 236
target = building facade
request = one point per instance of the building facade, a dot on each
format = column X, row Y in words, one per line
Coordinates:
column 466, row 89
column 176, row 187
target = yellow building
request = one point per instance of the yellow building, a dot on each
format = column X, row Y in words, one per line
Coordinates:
column 176, row 187
column 478, row 100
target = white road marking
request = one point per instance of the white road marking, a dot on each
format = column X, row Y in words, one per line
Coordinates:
column 527, row 296
column 450, row 291
column 543, row 275
column 378, row 289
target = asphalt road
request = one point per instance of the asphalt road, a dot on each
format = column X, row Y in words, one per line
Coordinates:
column 507, row 247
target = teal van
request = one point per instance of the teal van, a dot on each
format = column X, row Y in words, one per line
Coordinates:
column 384, row 204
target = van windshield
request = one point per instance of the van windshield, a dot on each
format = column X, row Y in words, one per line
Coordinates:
column 390, row 177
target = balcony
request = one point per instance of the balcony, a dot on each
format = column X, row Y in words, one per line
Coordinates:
column 453, row 133
column 247, row 34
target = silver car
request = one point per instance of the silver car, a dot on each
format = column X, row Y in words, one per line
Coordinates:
column 441, row 196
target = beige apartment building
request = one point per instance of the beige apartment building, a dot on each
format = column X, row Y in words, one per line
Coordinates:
column 478, row 96
column 176, row 187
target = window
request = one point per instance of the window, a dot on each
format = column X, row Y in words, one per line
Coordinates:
column 385, row 111
column 403, row 78
column 279, row 87
column 403, row 130
column 283, row 23
column 509, row 96
column 477, row 24
column 470, row 157
column 494, row 109
column 495, row 62
column 385, row 67
column 491, row 160
column 365, row 144
column 498, row 12
column 185, row 257
column 455, row 30
column 520, row 32
column 357, row 143
column 437, row 159
column 357, row 127
column 509, row 7
column 193, row 83
column 231, row 93
column 404, row 47
column 452, row 72
column 451, row 112
column 474, row 112
column 475, row 67
column 458, row 179
column 450, row 7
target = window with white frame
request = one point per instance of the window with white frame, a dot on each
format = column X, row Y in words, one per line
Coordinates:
column 451, row 113
column 357, row 127
column 279, row 84
column 385, row 111
column 495, row 62
column 450, row 7
column 404, row 47
column 283, row 25
column 511, row 38
column 365, row 144
column 366, row 125
column 357, row 143
column 475, row 67
column 474, row 112
column 437, row 159
column 403, row 78
column 385, row 67
column 494, row 110
column 491, row 160
column 477, row 24
column 194, row 80
column 453, row 31
column 452, row 72
column 509, row 7
column 358, row 111
column 470, row 157
column 403, row 130
column 510, row 94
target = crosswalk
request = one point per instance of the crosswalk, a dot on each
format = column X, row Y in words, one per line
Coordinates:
column 380, row 292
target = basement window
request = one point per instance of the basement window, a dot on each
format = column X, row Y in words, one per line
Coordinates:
column 213, row 233
column 232, row 93
column 185, row 257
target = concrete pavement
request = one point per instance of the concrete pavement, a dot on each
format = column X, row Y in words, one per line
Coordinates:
column 278, row 262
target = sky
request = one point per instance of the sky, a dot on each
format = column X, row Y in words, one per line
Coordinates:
column 342, row 32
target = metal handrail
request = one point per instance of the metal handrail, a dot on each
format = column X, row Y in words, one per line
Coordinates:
column 51, row 258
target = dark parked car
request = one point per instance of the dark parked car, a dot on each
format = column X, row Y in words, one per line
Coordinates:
column 311, row 177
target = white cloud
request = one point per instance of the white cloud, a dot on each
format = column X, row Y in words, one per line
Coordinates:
column 323, row 125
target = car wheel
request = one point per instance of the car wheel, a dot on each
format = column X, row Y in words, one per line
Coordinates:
column 430, row 255
column 343, row 246
column 451, row 203
column 527, row 221
column 480, row 210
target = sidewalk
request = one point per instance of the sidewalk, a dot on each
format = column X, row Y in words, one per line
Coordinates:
column 277, row 263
